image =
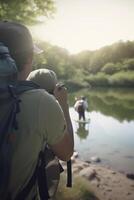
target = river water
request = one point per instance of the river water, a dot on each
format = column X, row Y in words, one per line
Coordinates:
column 109, row 134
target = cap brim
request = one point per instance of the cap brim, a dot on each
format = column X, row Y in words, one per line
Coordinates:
column 37, row 50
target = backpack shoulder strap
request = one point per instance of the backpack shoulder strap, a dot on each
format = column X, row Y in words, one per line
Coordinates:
column 39, row 176
column 9, row 108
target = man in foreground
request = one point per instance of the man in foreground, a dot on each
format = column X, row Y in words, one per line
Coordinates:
column 42, row 119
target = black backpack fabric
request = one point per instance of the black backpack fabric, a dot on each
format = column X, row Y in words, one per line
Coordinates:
column 80, row 108
column 48, row 168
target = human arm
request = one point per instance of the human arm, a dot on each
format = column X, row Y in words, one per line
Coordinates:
column 65, row 147
column 53, row 126
column 76, row 105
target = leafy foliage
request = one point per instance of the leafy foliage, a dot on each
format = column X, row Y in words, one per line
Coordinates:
column 109, row 66
column 25, row 11
column 128, row 64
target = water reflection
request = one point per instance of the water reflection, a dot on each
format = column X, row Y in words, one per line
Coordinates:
column 82, row 130
column 109, row 135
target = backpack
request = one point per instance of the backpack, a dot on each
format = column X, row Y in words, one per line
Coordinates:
column 48, row 169
column 80, row 107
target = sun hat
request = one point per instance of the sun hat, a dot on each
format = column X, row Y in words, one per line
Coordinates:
column 45, row 78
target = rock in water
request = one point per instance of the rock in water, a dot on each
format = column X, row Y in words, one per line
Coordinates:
column 95, row 159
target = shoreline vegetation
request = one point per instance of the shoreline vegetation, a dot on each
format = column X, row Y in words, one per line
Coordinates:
column 94, row 182
column 109, row 66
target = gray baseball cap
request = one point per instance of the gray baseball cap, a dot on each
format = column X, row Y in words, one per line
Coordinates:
column 45, row 78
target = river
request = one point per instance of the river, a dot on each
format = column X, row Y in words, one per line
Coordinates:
column 109, row 134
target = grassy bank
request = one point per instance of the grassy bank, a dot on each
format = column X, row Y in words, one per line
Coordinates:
column 79, row 191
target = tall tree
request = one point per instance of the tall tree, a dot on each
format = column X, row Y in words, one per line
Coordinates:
column 26, row 11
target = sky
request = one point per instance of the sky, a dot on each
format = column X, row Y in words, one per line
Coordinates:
column 80, row 25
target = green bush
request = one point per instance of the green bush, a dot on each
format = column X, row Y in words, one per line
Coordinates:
column 79, row 191
column 100, row 79
column 128, row 64
column 122, row 79
column 109, row 68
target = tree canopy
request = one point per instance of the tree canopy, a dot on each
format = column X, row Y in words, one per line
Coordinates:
column 26, row 11
column 111, row 65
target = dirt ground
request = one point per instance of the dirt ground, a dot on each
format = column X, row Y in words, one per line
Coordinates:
column 105, row 183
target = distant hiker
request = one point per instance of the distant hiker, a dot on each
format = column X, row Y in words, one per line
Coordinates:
column 38, row 119
column 81, row 106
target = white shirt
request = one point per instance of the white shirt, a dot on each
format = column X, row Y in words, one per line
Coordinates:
column 78, row 102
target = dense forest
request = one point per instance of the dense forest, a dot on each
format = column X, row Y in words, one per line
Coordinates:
column 111, row 66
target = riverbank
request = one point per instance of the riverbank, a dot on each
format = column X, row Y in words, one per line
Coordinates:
column 105, row 183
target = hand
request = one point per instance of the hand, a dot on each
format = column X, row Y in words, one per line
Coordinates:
column 60, row 93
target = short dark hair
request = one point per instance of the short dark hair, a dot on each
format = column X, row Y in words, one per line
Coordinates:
column 18, row 40
column 83, row 97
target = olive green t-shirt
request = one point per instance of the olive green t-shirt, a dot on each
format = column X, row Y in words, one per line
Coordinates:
column 40, row 121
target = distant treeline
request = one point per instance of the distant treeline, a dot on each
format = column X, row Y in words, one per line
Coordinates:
column 111, row 65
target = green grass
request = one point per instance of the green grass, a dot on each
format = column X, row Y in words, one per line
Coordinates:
column 79, row 191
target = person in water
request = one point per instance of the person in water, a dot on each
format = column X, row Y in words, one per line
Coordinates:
column 81, row 105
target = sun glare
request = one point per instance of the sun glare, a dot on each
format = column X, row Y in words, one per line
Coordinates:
column 87, row 25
